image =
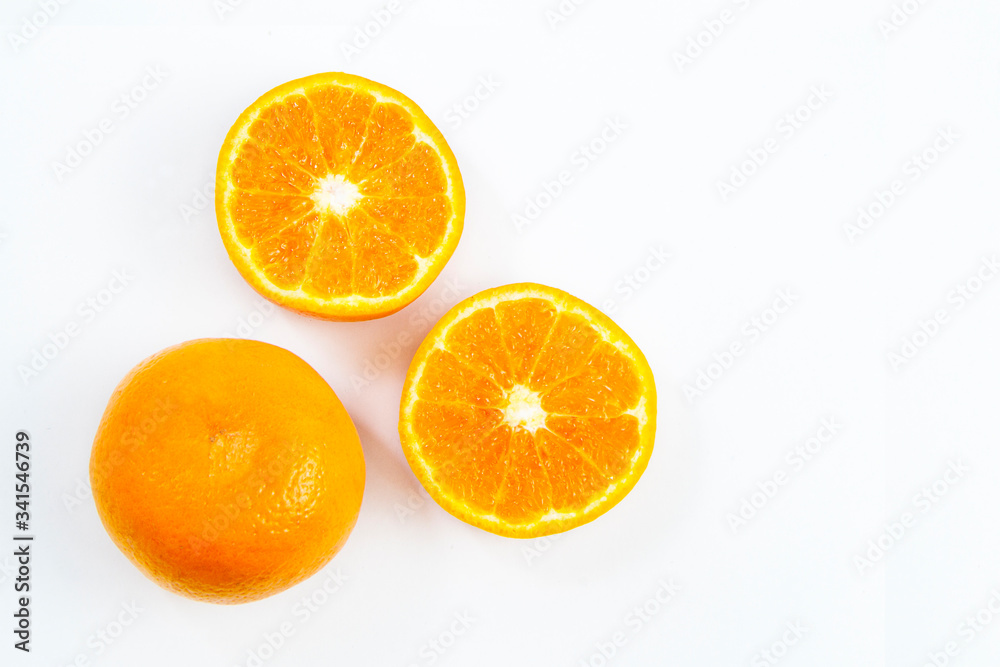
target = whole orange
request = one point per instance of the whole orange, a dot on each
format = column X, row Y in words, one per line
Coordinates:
column 227, row 470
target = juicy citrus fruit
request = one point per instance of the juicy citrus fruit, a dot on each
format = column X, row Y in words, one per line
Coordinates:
column 227, row 470
column 337, row 197
column 527, row 412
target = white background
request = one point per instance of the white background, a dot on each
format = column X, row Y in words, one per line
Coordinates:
column 132, row 206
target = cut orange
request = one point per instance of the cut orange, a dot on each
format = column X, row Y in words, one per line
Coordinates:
column 527, row 412
column 337, row 197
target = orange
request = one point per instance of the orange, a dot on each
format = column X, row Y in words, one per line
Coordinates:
column 527, row 412
column 227, row 470
column 337, row 197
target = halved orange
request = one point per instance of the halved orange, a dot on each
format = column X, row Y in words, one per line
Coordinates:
column 337, row 197
column 527, row 412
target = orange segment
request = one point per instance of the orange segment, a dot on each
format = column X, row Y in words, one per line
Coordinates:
column 448, row 379
column 341, row 120
column 418, row 174
column 527, row 412
column 527, row 491
column 423, row 221
column 258, row 215
column 337, row 197
column 477, row 472
column 382, row 261
column 460, row 440
column 282, row 257
column 574, row 478
column 388, row 137
column 607, row 386
column 263, row 168
column 331, row 269
column 566, row 351
column 446, row 429
column 478, row 343
column 526, row 324
column 587, row 436
column 289, row 127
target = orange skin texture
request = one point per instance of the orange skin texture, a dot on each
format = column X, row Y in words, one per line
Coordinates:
column 227, row 470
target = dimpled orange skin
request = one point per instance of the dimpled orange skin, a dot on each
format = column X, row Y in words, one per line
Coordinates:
column 227, row 470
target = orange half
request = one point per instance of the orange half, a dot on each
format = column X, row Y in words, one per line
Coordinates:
column 337, row 197
column 527, row 412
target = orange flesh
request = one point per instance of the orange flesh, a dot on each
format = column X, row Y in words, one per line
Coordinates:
column 393, row 203
column 521, row 464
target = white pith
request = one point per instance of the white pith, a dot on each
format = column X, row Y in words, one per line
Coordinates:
column 336, row 194
column 524, row 409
